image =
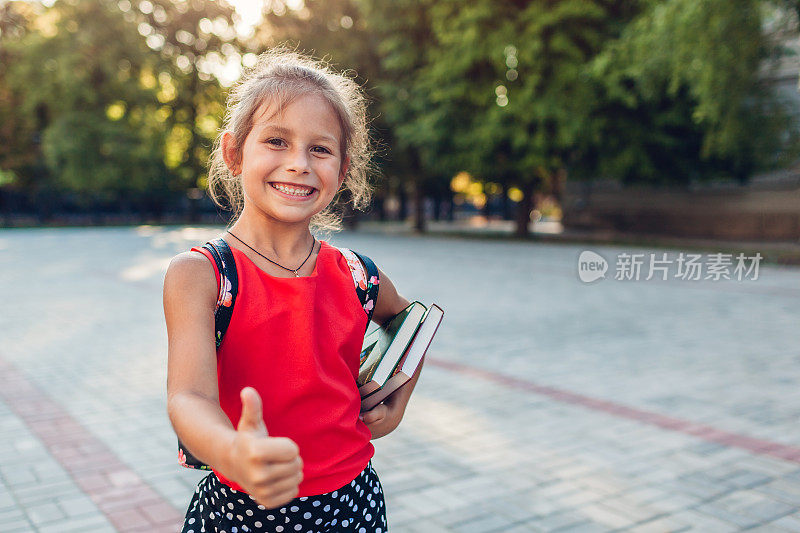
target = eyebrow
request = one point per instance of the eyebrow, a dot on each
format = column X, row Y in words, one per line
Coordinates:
column 286, row 131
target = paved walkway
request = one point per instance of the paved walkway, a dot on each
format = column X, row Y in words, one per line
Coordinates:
column 547, row 404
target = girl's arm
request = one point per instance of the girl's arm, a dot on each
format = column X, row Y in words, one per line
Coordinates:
column 192, row 395
column 385, row 417
column 268, row 468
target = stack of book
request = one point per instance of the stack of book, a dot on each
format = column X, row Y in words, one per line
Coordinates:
column 392, row 353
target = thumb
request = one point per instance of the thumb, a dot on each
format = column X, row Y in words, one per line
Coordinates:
column 252, row 418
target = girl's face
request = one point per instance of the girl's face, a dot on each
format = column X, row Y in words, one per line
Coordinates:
column 291, row 163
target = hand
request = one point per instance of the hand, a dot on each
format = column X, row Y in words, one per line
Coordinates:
column 268, row 468
column 384, row 417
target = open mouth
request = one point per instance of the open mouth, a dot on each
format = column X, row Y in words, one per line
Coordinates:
column 297, row 191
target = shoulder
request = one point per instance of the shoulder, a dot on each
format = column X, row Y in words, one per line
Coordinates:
column 191, row 264
column 191, row 275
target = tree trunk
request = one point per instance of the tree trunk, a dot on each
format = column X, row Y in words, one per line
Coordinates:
column 451, row 206
column 419, row 200
column 5, row 218
column 437, row 205
column 349, row 217
column 380, row 206
column 523, row 217
column 402, row 198
column 506, row 203
column 194, row 210
column 484, row 210
column 557, row 186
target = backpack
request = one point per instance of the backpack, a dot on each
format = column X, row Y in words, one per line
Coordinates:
column 365, row 280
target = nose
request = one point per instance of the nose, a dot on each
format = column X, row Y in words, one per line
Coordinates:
column 298, row 162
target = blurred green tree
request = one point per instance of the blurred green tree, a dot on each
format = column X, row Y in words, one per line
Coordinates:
column 506, row 90
column 76, row 77
column 196, row 44
column 419, row 126
column 681, row 95
column 19, row 152
column 16, row 129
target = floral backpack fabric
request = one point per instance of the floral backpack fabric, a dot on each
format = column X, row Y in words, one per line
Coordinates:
column 365, row 280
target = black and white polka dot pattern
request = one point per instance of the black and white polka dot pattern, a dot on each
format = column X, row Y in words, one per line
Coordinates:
column 357, row 507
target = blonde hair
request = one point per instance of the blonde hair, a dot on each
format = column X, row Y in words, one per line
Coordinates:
column 281, row 75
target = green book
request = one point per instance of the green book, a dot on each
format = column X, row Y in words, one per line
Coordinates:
column 384, row 347
column 410, row 362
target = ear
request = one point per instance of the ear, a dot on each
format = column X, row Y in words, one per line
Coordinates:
column 230, row 153
column 343, row 170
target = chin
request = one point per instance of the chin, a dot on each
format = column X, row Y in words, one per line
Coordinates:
column 293, row 218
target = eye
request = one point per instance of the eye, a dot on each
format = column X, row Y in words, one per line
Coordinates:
column 320, row 150
column 276, row 141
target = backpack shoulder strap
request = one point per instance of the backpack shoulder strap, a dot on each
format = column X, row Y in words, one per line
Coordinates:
column 228, row 285
column 365, row 277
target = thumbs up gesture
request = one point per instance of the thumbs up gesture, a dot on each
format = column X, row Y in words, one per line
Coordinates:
column 268, row 468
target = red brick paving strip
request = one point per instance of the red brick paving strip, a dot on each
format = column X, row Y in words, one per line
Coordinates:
column 702, row 431
column 122, row 496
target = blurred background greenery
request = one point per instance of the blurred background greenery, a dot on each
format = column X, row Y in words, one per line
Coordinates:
column 110, row 107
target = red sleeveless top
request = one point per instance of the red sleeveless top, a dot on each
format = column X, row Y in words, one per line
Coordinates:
column 297, row 341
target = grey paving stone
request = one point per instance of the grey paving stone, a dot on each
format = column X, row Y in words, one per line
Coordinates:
column 18, row 475
column 90, row 332
column 781, row 490
column 94, row 524
column 44, row 513
column 483, row 524
column 418, row 526
column 611, row 516
column 769, row 528
column 11, row 515
column 696, row 488
column 794, row 475
column 727, row 515
column 768, row 511
column 17, row 526
column 791, row 523
column 6, row 500
column 523, row 528
column 584, row 527
column 675, row 502
column 700, row 521
column 746, row 479
column 661, row 525
column 452, row 517
column 77, row 505
column 706, row 448
column 555, row 521
column 516, row 508
column 36, row 493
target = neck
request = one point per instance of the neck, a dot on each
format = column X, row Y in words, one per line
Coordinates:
column 275, row 239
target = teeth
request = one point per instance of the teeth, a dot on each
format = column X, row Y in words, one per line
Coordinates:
column 292, row 190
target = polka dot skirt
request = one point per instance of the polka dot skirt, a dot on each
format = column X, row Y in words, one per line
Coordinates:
column 357, row 507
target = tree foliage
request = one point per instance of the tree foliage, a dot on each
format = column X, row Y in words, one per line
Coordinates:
column 192, row 42
column 74, row 76
column 685, row 74
column 111, row 97
column 511, row 77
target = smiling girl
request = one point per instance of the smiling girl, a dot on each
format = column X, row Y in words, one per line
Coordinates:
column 274, row 410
